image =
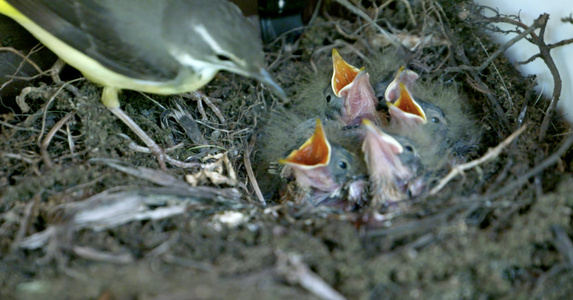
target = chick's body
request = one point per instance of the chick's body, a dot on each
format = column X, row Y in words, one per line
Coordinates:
column 393, row 163
column 434, row 109
column 402, row 155
column 322, row 173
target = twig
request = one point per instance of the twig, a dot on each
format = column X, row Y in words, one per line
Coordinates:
column 187, row 263
column 418, row 226
column 93, row 254
column 494, row 66
column 45, row 113
column 392, row 38
column 563, row 243
column 544, row 53
column 499, row 51
column 24, row 223
column 314, row 13
column 49, row 136
column 549, row 161
column 551, row 46
column 490, row 155
column 541, row 281
column 250, row 173
column 26, row 58
column 410, row 12
column 557, row 84
column 293, row 269
column 475, row 76
column 164, row 247
column 18, row 156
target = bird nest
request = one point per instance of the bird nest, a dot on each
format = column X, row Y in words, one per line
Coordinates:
column 86, row 213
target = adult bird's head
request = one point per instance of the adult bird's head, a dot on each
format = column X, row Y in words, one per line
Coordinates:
column 214, row 35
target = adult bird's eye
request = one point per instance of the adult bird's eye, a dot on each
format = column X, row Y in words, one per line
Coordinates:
column 328, row 98
column 342, row 164
column 223, row 57
column 435, row 120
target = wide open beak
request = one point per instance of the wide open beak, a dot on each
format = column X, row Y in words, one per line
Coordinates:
column 343, row 73
column 407, row 77
column 359, row 101
column 406, row 112
column 315, row 152
column 387, row 172
column 381, row 150
column 310, row 161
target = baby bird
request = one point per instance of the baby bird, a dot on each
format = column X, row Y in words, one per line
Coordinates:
column 391, row 90
column 322, row 95
column 353, row 97
column 359, row 102
column 323, row 170
column 319, row 160
column 433, row 107
column 408, row 113
column 352, row 94
column 343, row 73
column 393, row 165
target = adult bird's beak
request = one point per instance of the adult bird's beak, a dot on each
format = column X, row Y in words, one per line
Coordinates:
column 343, row 73
column 359, row 101
column 264, row 77
column 407, row 77
column 406, row 109
column 310, row 161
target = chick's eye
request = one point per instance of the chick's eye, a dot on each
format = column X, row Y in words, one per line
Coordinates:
column 409, row 148
column 436, row 120
column 342, row 164
column 328, row 98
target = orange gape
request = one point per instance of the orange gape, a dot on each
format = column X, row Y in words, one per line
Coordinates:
column 314, row 152
column 407, row 104
column 343, row 73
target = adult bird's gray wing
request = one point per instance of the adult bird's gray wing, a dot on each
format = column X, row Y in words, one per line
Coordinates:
column 122, row 35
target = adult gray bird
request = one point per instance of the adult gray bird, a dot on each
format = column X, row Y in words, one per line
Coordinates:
column 154, row 46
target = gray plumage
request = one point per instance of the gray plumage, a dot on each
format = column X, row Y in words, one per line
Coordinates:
column 135, row 38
